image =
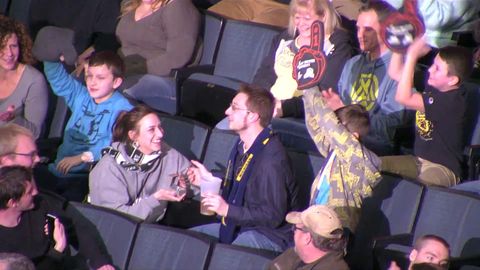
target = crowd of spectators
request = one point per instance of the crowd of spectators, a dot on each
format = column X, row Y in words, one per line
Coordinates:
column 113, row 149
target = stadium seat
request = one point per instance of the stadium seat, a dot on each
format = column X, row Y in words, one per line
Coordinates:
column 392, row 209
column 243, row 46
column 239, row 258
column 160, row 247
column 305, row 167
column 450, row 214
column 187, row 136
column 116, row 229
column 220, row 143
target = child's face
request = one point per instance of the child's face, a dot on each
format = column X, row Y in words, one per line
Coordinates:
column 438, row 75
column 101, row 83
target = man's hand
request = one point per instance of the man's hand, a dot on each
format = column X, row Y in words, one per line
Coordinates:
column 215, row 203
column 68, row 163
column 106, row 267
column 167, row 195
column 332, row 99
column 393, row 266
column 197, row 172
column 278, row 111
column 59, row 236
column 418, row 48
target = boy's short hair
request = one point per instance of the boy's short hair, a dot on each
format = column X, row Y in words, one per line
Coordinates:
column 420, row 242
column 459, row 61
column 12, row 183
column 355, row 118
column 259, row 101
column 112, row 60
column 9, row 134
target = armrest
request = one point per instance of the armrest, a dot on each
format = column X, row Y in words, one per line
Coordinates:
column 459, row 262
column 473, row 161
column 401, row 239
column 181, row 74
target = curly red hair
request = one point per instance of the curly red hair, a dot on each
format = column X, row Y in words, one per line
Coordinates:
column 8, row 27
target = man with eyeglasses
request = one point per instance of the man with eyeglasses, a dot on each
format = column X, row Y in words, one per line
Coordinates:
column 21, row 219
column 319, row 241
column 259, row 189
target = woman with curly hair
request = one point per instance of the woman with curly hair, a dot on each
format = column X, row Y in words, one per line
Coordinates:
column 156, row 36
column 23, row 91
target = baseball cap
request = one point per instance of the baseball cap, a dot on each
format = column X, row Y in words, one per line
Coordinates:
column 319, row 219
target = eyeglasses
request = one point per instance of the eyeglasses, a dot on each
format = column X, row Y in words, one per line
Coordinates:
column 235, row 108
column 32, row 154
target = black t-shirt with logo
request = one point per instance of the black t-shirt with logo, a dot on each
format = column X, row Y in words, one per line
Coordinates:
column 439, row 131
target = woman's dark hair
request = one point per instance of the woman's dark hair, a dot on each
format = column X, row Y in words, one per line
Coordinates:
column 127, row 121
column 8, row 27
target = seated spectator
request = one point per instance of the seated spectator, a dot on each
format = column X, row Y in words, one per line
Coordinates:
column 319, row 241
column 275, row 73
column 427, row 249
column 89, row 129
column 364, row 81
column 17, row 147
column 443, row 18
column 439, row 141
column 93, row 22
column 259, row 189
column 15, row 261
column 135, row 174
column 23, row 91
column 156, row 37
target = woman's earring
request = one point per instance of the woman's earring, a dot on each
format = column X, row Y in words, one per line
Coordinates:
column 135, row 145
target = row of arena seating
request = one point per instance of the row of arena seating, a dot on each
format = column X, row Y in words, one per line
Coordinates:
column 398, row 212
column 139, row 246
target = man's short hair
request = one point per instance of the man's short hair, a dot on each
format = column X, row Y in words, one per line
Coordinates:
column 355, row 118
column 259, row 101
column 112, row 60
column 381, row 8
column 420, row 242
column 459, row 61
column 12, row 183
column 9, row 137
column 330, row 244
column 15, row 261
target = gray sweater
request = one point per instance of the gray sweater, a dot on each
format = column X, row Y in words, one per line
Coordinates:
column 161, row 41
column 112, row 186
column 30, row 99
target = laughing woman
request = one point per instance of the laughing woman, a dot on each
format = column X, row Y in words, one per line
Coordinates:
column 23, row 91
column 135, row 173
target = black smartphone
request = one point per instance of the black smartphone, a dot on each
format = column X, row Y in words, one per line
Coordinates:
column 50, row 219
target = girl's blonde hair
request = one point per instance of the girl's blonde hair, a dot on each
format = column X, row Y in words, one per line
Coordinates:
column 322, row 8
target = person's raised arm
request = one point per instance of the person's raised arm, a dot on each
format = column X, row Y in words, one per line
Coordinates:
column 405, row 93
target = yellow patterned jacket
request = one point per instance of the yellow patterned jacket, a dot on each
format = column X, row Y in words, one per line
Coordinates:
column 355, row 169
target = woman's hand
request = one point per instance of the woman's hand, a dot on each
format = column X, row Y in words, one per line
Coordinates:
column 167, row 195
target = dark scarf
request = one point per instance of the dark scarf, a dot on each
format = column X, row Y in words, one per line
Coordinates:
column 141, row 162
column 236, row 182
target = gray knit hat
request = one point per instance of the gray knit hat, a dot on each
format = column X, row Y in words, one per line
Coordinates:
column 52, row 41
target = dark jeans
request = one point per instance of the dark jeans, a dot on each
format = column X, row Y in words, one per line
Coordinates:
column 73, row 187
